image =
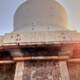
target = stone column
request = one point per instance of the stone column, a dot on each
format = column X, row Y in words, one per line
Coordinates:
column 19, row 71
column 66, row 50
column 19, row 65
column 63, row 71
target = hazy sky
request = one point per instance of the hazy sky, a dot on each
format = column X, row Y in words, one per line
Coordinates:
column 8, row 8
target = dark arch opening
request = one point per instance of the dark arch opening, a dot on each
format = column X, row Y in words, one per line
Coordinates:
column 40, row 51
column 5, row 55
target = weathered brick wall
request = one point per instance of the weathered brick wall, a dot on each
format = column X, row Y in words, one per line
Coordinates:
column 74, row 71
column 41, row 70
column 7, row 71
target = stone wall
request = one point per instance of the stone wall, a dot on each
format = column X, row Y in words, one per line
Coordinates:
column 74, row 71
column 41, row 70
column 7, row 71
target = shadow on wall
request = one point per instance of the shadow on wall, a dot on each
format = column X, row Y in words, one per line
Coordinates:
column 40, row 51
column 5, row 55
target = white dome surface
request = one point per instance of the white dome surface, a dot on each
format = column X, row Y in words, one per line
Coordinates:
column 40, row 15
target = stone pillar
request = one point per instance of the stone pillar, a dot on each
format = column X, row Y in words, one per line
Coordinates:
column 63, row 70
column 19, row 71
column 19, row 65
column 66, row 50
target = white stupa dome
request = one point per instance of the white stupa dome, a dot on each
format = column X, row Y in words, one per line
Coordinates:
column 40, row 15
